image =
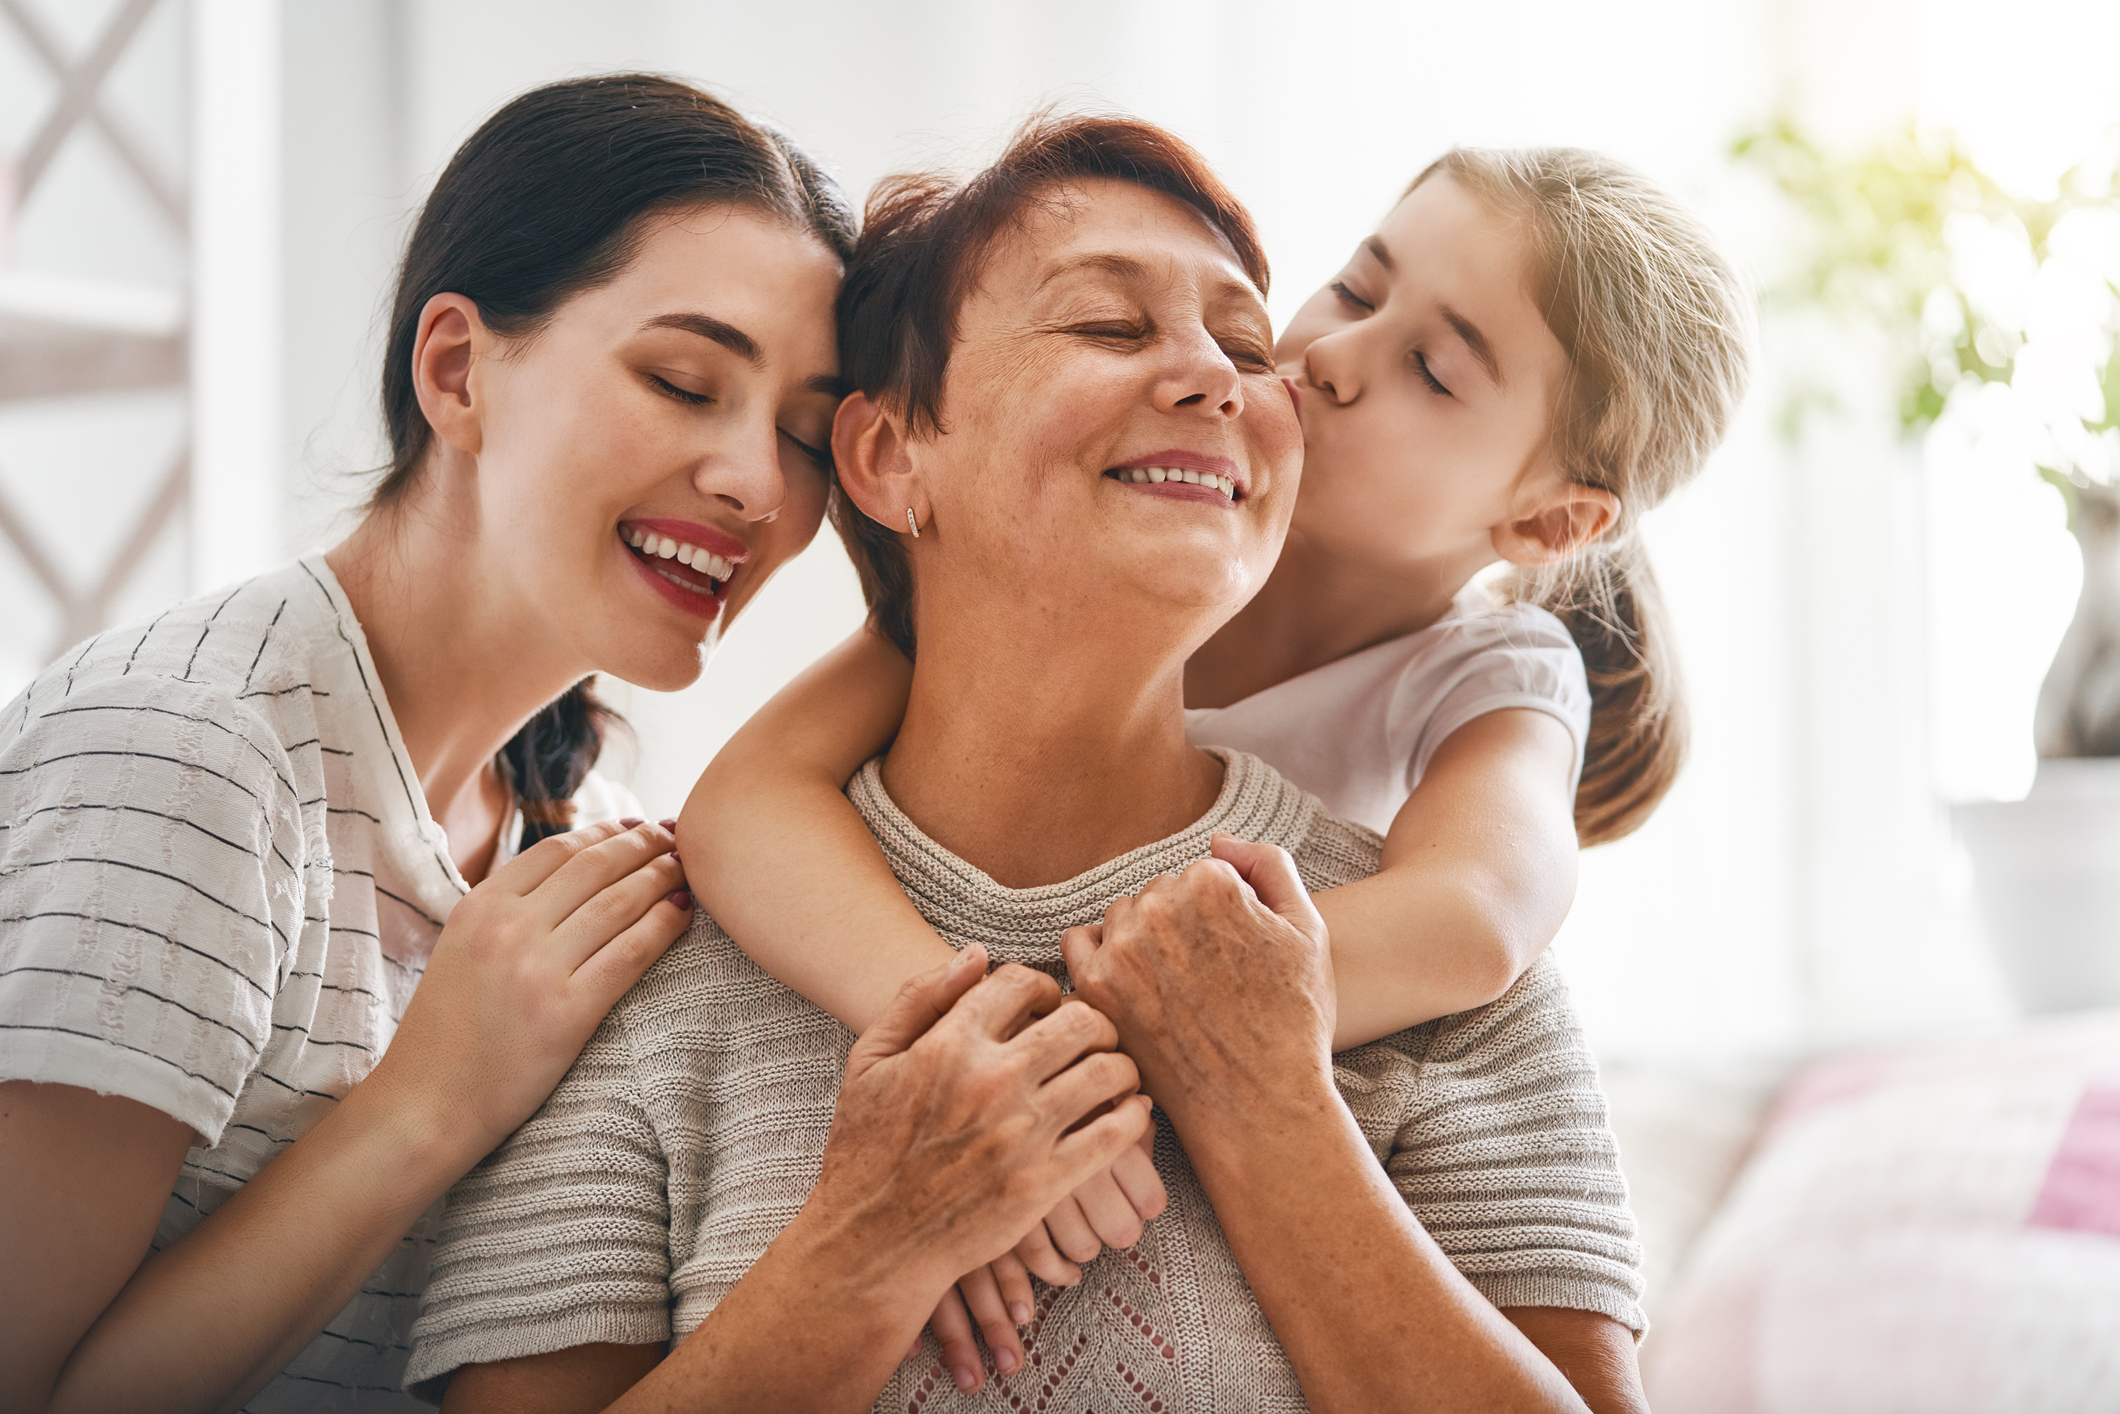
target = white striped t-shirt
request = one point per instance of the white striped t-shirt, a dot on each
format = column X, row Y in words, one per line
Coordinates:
column 219, row 884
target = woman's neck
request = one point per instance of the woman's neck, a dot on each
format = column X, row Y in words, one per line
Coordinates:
column 461, row 671
column 1317, row 607
column 1036, row 760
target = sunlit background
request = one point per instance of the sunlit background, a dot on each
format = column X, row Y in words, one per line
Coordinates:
column 207, row 198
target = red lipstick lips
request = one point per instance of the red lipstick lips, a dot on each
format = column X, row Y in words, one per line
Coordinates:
column 688, row 564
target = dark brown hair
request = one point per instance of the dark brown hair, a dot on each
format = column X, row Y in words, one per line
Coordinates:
column 1658, row 327
column 923, row 240
column 549, row 198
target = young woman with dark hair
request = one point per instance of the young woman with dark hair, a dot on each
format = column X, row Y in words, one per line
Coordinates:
column 284, row 945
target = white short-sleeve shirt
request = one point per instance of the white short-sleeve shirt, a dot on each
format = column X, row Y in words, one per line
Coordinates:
column 219, row 885
column 1359, row 732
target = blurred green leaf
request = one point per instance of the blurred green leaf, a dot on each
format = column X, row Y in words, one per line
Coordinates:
column 1878, row 253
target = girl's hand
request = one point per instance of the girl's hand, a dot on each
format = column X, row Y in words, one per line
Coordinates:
column 1107, row 1211
column 527, row 966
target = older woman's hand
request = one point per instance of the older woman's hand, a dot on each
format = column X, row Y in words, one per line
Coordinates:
column 972, row 1106
column 1220, row 982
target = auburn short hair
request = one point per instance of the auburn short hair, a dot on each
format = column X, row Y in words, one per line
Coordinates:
column 924, row 239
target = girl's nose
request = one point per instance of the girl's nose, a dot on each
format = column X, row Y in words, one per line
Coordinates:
column 1330, row 367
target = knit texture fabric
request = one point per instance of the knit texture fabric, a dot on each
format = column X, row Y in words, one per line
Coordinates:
column 691, row 1130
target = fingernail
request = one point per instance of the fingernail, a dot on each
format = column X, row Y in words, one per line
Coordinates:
column 964, row 1377
column 681, row 899
column 632, row 822
column 1005, row 1361
column 1020, row 1313
column 670, row 824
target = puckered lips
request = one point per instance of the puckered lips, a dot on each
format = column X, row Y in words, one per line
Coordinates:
column 1184, row 476
column 689, row 564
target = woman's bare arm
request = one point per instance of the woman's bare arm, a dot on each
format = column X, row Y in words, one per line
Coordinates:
column 778, row 856
column 528, row 964
column 1478, row 874
column 96, row 1170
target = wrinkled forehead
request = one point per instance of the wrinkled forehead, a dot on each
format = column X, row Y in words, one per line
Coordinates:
column 1101, row 233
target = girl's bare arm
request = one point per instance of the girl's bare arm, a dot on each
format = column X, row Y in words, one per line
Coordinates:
column 781, row 859
column 1478, row 874
column 777, row 855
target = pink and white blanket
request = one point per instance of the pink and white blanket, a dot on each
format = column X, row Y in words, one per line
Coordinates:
column 1933, row 1230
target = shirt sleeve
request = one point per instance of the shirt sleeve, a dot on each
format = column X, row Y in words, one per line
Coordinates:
column 561, row 1237
column 1510, row 1163
column 1517, row 656
column 151, row 839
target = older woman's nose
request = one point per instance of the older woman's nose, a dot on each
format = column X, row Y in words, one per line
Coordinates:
column 1202, row 378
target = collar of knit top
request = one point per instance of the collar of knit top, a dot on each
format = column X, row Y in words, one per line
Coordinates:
column 1024, row 925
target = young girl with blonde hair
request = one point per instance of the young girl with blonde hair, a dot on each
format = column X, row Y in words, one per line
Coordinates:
column 1534, row 348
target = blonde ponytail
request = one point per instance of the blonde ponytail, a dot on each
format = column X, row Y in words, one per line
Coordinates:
column 1614, row 610
column 1658, row 327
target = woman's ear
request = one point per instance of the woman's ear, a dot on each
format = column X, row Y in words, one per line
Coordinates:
column 1568, row 517
column 870, row 453
column 450, row 340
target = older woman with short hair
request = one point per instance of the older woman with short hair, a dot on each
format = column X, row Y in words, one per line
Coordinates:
column 1093, row 302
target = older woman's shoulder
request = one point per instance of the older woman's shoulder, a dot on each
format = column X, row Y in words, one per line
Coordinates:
column 706, row 995
column 1337, row 851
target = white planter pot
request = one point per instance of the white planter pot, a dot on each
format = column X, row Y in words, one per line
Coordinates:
column 2046, row 871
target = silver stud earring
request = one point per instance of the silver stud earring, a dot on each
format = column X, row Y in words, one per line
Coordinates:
column 911, row 524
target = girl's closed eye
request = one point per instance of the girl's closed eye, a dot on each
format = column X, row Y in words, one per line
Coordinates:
column 1348, row 296
column 1427, row 374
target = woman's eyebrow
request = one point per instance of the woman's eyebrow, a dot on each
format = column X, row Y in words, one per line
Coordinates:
column 1108, row 262
column 735, row 340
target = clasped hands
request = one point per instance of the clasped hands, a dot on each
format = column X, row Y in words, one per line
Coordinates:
column 1217, row 983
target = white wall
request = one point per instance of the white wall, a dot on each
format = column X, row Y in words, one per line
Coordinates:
column 1797, row 885
column 81, row 471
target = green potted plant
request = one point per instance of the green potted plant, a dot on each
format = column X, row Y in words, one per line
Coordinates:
column 1886, row 236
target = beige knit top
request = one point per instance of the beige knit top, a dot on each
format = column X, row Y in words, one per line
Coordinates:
column 691, row 1129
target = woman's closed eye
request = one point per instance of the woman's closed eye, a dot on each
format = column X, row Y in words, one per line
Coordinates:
column 820, row 457
column 1115, row 331
column 671, row 390
column 1248, row 353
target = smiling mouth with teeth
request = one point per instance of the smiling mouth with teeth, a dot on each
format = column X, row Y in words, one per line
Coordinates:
column 1157, row 475
column 662, row 555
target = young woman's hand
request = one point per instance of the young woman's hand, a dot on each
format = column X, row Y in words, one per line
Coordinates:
column 529, row 963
